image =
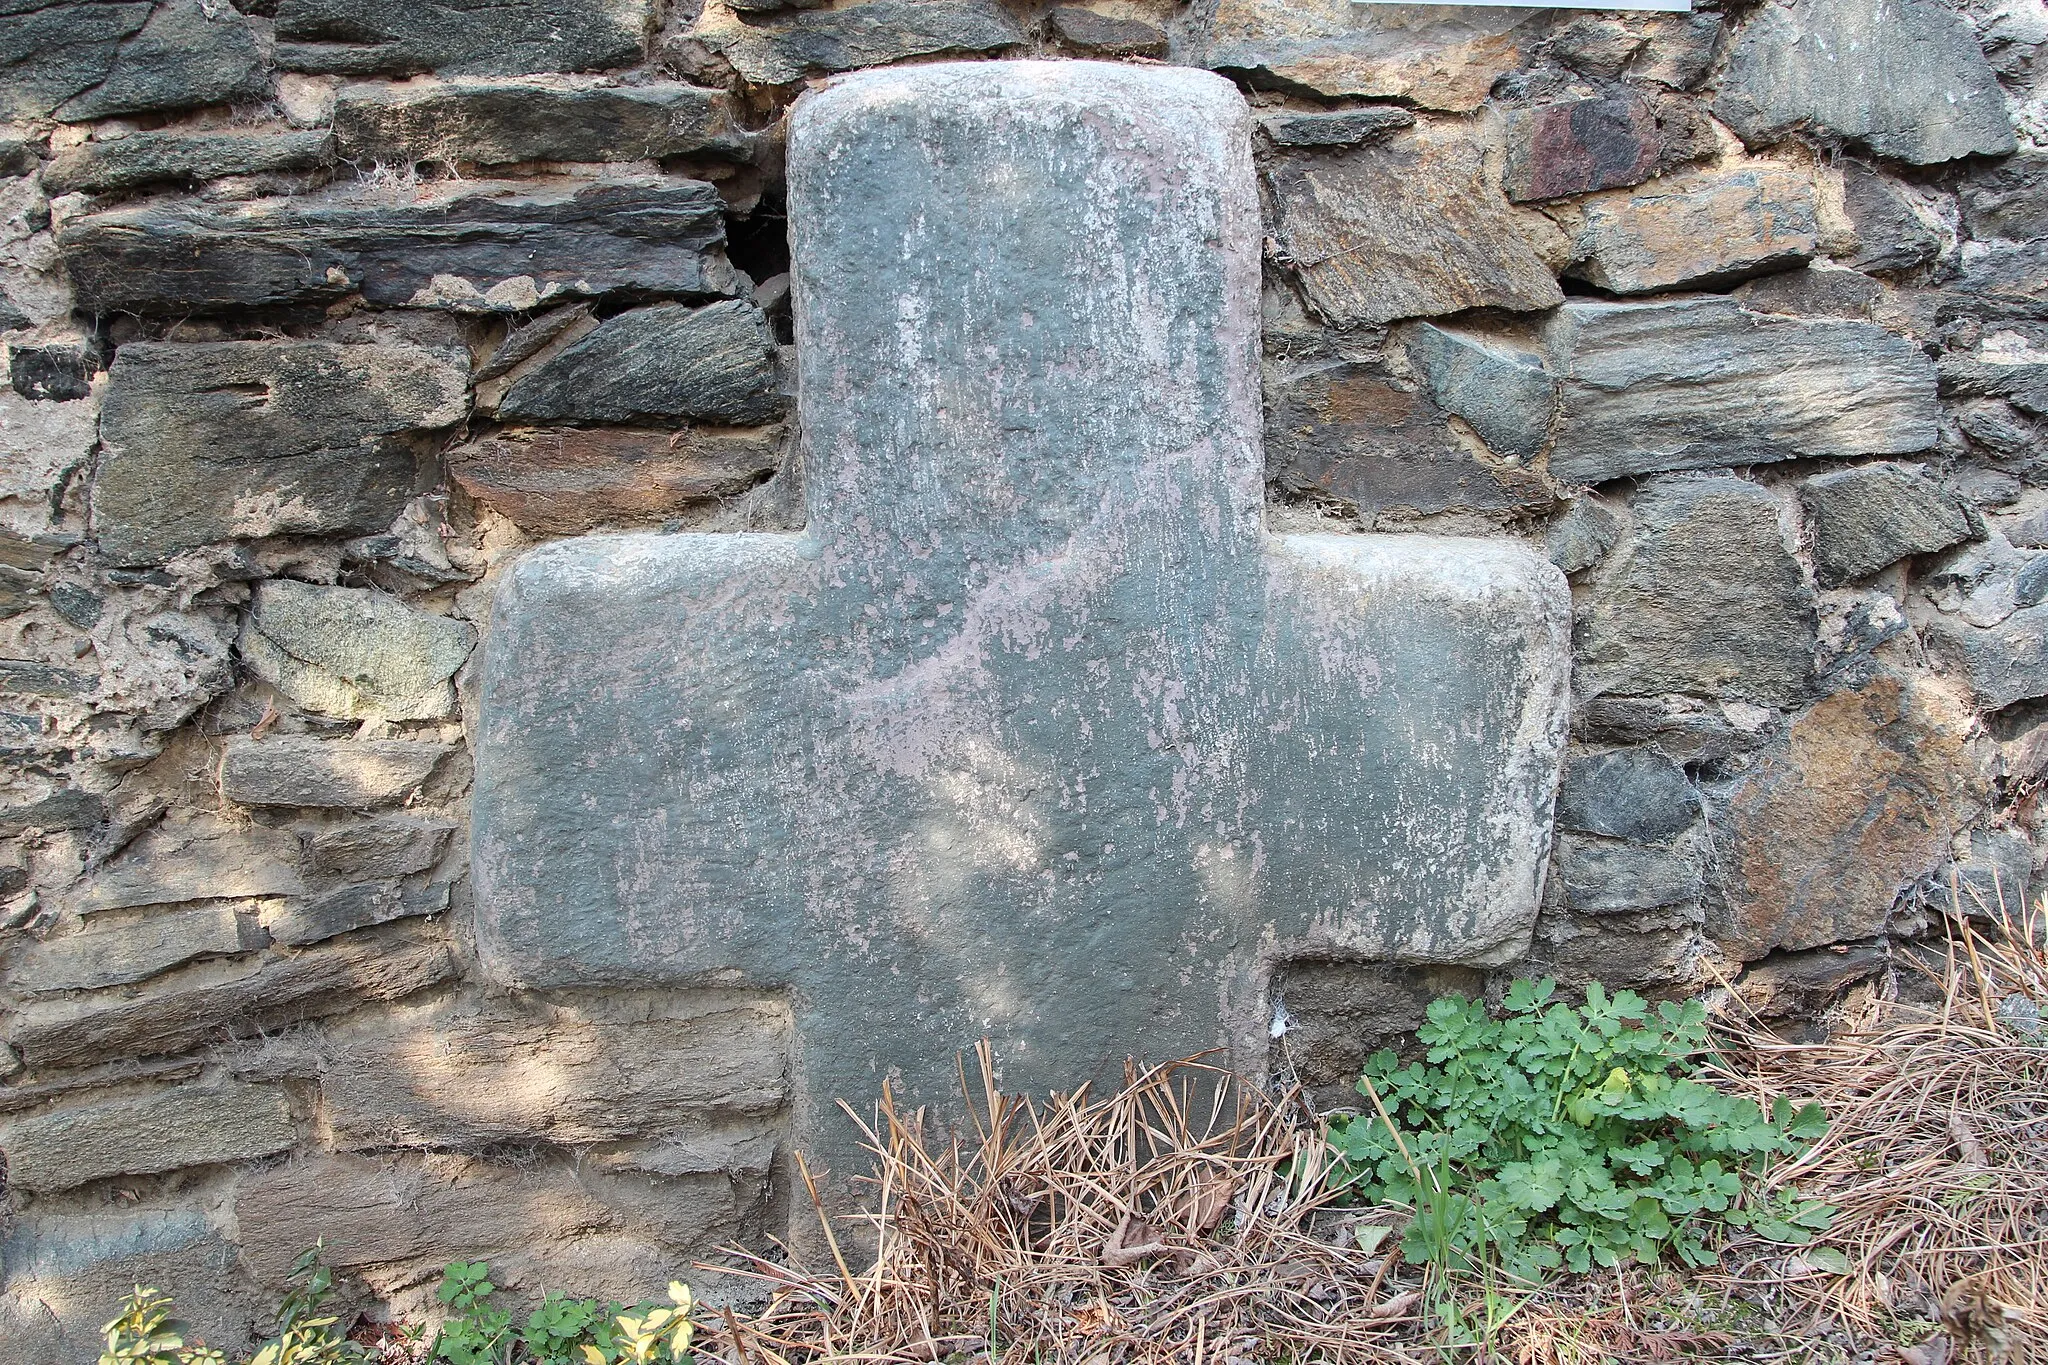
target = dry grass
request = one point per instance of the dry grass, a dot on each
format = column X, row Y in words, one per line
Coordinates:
column 1182, row 1218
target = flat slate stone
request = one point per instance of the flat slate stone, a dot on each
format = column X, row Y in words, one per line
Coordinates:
column 566, row 481
column 1447, row 59
column 191, row 1125
column 1872, row 516
column 50, row 52
column 1608, row 879
column 214, row 441
column 358, row 774
column 353, row 652
column 1406, row 227
column 166, row 867
column 480, row 122
column 783, row 48
column 1103, row 35
column 385, row 848
column 2002, row 663
column 1501, row 389
column 1890, row 235
column 1703, row 383
column 188, row 54
column 1034, row 733
column 350, row 908
column 1744, row 627
column 2006, row 199
column 672, row 361
column 141, row 159
column 469, row 37
column 1635, row 794
column 1339, row 128
column 1903, row 78
column 1573, row 146
column 102, row 956
column 1697, row 229
column 482, row 248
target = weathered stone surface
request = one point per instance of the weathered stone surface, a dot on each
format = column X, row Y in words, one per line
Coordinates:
column 1999, row 280
column 52, row 374
column 1448, row 60
column 358, row 774
column 19, row 156
column 116, row 955
column 1696, row 229
column 1857, row 802
column 68, row 808
column 1874, row 515
column 480, row 248
column 491, row 123
column 1339, row 128
column 1890, row 235
column 2002, row 663
column 189, row 1125
column 2007, row 199
column 1903, row 78
column 28, row 678
column 788, row 47
column 1403, row 228
column 471, row 37
column 671, row 361
column 565, row 1073
column 188, row 53
column 354, row 652
column 167, row 866
column 567, row 481
column 1598, row 878
column 1993, row 880
column 50, row 52
column 1704, row 596
column 383, row 849
column 222, row 440
column 1341, row 429
column 202, row 1004
column 1573, row 146
column 1498, row 387
column 140, row 159
column 1641, row 948
column 1340, row 1013
column 1103, row 35
column 1034, row 625
column 1787, row 985
column 1635, row 794
column 1703, row 383
column 2021, row 379
column 1583, row 534
column 351, row 908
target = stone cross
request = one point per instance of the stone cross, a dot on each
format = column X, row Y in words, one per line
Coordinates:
column 1035, row 732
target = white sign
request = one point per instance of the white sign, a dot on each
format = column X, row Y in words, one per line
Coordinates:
column 1664, row 6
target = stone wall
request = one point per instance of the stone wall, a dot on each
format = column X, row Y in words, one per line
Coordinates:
column 318, row 312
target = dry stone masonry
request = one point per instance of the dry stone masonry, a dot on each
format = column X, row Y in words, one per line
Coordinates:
column 414, row 414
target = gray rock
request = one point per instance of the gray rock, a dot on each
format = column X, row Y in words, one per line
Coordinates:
column 1606, row 879
column 28, row 678
column 1993, row 881
column 66, row 808
column 1635, row 794
column 1998, row 280
column 166, row 867
column 54, row 374
column 352, row 774
column 1500, row 388
column 1741, row 627
column 12, row 319
column 2022, row 383
column 1803, row 985
column 1344, row 430
column 1003, row 786
column 118, row 955
column 468, row 37
column 714, row 363
column 50, row 52
column 1405, row 227
column 385, row 849
column 1903, row 78
column 489, row 123
column 1102, row 35
column 787, row 48
column 1889, row 234
column 189, row 53
column 189, row 1125
column 2006, row 199
column 353, row 652
column 1687, row 729
column 1816, row 291
column 20, row 156
column 477, row 248
column 1338, row 128
column 1704, row 383
column 1696, row 229
column 2003, row 663
column 141, row 159
column 197, row 1007
column 1443, row 58
column 223, row 440
column 1582, row 536
column 1642, row 949
column 1573, row 146
column 1866, row 518
column 351, row 908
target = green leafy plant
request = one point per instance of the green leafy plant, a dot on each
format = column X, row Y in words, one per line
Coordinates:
column 479, row 1333
column 1567, row 1135
column 652, row 1335
column 305, row 1332
column 145, row 1333
column 556, row 1329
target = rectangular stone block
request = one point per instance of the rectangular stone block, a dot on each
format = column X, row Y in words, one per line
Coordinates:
column 157, row 158
column 171, row 865
column 188, row 1125
column 482, row 37
column 565, row 481
column 115, row 955
column 362, row 774
column 499, row 122
column 1696, row 230
column 351, row 908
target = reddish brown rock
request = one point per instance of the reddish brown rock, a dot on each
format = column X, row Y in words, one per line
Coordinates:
column 1859, row 801
column 563, row 482
column 1579, row 145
